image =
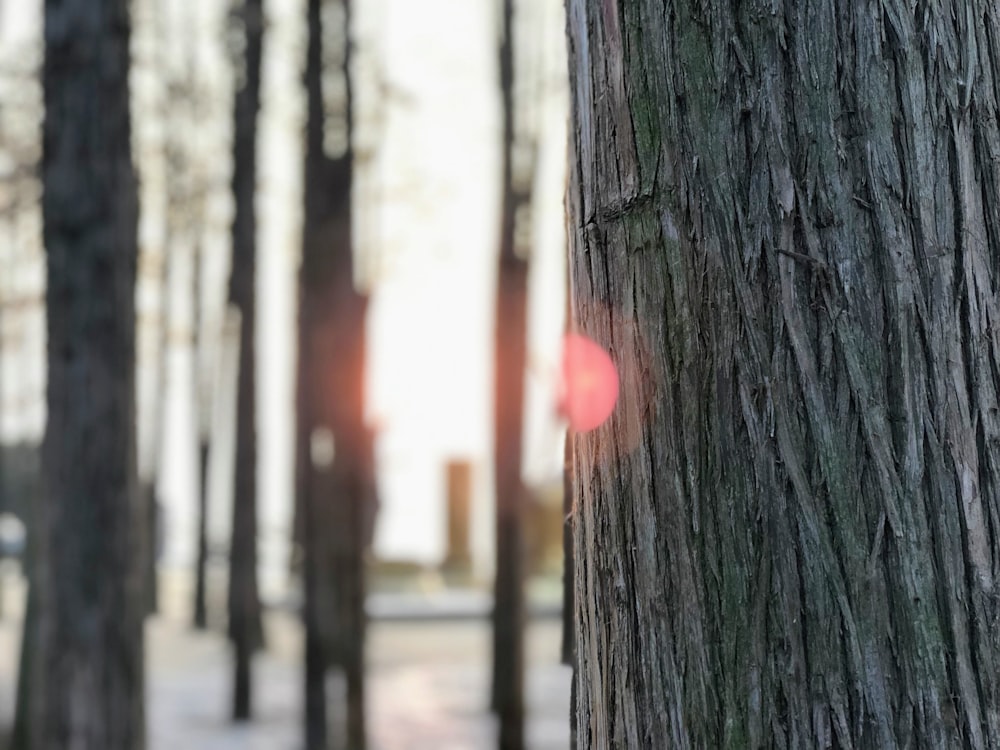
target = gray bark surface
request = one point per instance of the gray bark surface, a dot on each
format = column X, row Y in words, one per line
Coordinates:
column 88, row 694
column 784, row 228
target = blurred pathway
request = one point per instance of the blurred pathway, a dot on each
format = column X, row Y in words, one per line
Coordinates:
column 427, row 683
column 427, row 688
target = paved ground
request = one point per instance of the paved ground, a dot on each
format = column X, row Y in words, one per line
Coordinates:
column 427, row 686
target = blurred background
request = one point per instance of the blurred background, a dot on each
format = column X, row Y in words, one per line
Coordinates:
column 427, row 121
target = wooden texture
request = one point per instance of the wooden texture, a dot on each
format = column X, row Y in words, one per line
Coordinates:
column 784, row 228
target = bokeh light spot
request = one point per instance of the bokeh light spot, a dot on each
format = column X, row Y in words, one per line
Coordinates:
column 589, row 383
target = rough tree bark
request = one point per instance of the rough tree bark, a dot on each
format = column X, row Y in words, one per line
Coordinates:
column 91, row 523
column 245, row 629
column 784, row 228
column 335, row 463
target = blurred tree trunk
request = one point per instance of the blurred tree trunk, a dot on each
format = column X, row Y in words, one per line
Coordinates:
column 784, row 226
column 148, row 484
column 511, row 357
column 245, row 629
column 91, row 524
column 27, row 667
column 200, row 608
column 203, row 411
column 568, row 652
column 335, row 461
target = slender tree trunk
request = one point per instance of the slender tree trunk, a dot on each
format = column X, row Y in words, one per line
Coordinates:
column 245, row 629
column 148, row 484
column 569, row 600
column 511, row 357
column 200, row 608
column 200, row 618
column 91, row 524
column 27, row 668
column 785, row 230
column 335, row 451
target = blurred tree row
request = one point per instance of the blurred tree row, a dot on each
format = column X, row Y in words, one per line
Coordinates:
column 92, row 535
column 86, row 677
column 94, row 532
column 782, row 227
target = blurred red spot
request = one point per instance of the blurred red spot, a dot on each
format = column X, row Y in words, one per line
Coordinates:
column 589, row 383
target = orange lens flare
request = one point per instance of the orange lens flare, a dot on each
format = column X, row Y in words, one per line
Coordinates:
column 589, row 383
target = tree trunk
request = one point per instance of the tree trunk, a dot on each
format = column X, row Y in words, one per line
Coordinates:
column 27, row 668
column 245, row 628
column 335, row 462
column 784, row 228
column 507, row 695
column 568, row 651
column 200, row 609
column 91, row 523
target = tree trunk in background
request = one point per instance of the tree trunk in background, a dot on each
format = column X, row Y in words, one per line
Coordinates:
column 27, row 667
column 245, row 629
column 784, row 227
column 568, row 652
column 200, row 609
column 335, row 460
column 507, row 696
column 148, row 485
column 91, row 524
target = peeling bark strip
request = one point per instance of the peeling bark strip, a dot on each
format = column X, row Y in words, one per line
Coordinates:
column 785, row 227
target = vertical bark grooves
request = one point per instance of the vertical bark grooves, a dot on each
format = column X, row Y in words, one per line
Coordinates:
column 88, row 692
column 784, row 228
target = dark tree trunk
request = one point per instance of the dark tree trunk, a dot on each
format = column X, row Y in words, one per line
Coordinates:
column 507, row 695
column 150, row 587
column 200, row 618
column 245, row 629
column 27, row 668
column 91, row 523
column 569, row 599
column 200, row 608
column 335, row 461
column 784, row 228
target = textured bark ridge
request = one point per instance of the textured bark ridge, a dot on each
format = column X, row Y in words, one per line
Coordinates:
column 784, row 227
